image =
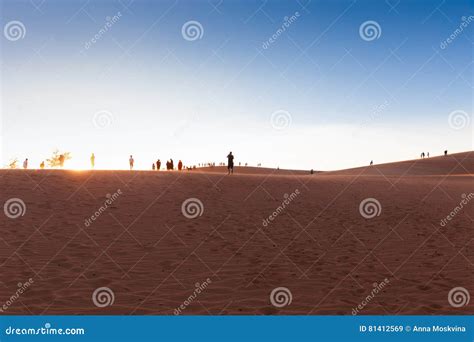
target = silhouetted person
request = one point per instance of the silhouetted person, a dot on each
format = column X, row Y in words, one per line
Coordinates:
column 445, row 152
column 312, row 171
column 131, row 161
column 230, row 163
column 171, row 164
column 42, row 165
column 92, row 160
column 158, row 165
column 25, row 163
column 180, row 165
column 153, row 166
column 61, row 160
column 371, row 162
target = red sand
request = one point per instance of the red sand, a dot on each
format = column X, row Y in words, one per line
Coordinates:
column 319, row 246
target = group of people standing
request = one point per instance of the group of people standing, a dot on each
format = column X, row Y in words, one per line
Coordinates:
column 169, row 165
column 157, row 165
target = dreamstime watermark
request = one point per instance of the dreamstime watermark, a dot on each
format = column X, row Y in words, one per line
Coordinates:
column 370, row 30
column 14, row 30
column 465, row 200
column 109, row 22
column 375, row 114
column 378, row 110
column 199, row 288
column 103, row 296
column 280, row 297
column 192, row 30
column 192, row 208
column 370, row 207
column 46, row 330
column 287, row 21
column 377, row 287
column 184, row 126
column 459, row 119
column 465, row 21
column 280, row 119
column 22, row 287
column 287, row 200
column 107, row 203
column 14, row 208
column 458, row 297
column 103, row 118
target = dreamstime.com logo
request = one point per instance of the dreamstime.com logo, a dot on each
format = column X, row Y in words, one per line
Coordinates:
column 287, row 200
column 465, row 200
column 369, row 208
column 280, row 119
column 46, row 330
column 103, row 118
column 199, row 288
column 459, row 119
column 192, row 30
column 370, row 30
column 14, row 208
column 192, row 208
column 378, row 287
column 107, row 203
column 103, row 296
column 458, row 297
column 14, row 30
column 13, row 298
column 280, row 297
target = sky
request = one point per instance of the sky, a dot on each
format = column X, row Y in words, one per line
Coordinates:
column 300, row 84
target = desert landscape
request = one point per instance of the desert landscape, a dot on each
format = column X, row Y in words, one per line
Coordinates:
column 203, row 242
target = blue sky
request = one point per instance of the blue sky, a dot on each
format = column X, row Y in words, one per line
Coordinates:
column 165, row 96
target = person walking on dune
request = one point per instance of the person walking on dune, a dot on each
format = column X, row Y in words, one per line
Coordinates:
column 158, row 165
column 92, row 160
column 180, row 165
column 230, row 163
column 131, row 161
column 25, row 163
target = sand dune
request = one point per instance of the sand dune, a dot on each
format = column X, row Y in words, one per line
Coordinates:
column 320, row 247
column 452, row 164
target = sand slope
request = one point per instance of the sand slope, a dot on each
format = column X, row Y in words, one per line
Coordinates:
column 452, row 164
column 319, row 247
